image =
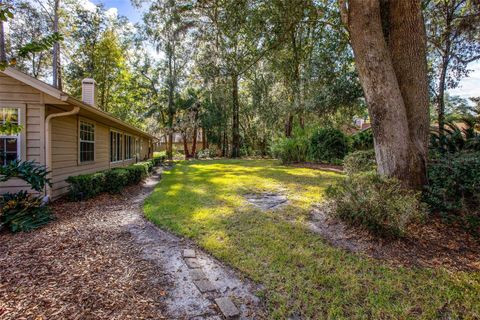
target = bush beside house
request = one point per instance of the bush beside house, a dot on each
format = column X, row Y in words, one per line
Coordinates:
column 24, row 211
column 86, row 186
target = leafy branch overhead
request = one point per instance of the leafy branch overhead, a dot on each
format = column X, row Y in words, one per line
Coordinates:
column 41, row 45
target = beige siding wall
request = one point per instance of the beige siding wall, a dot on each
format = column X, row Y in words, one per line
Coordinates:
column 15, row 94
column 65, row 151
column 65, row 139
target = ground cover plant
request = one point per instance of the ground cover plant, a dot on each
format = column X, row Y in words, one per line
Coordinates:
column 302, row 274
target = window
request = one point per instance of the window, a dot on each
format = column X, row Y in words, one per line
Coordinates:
column 87, row 141
column 9, row 142
column 129, row 150
column 115, row 146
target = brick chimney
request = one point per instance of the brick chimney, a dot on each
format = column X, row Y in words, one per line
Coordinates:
column 89, row 92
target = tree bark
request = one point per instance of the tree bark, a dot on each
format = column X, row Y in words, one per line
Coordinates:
column 170, row 145
column 406, row 39
column 289, row 126
column 185, row 146
column 397, row 153
column 3, row 49
column 57, row 78
column 194, row 134
column 236, row 120
column 204, row 139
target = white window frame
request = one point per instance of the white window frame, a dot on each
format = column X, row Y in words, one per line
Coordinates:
column 18, row 137
column 86, row 121
column 121, row 134
column 132, row 153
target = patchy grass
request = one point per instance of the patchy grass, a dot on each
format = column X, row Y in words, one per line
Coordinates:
column 302, row 274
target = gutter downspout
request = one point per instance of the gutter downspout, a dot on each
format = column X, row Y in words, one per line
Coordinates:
column 48, row 147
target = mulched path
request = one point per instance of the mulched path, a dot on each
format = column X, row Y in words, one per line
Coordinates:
column 84, row 265
column 434, row 244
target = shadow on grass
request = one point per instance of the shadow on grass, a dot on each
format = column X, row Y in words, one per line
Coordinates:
column 302, row 274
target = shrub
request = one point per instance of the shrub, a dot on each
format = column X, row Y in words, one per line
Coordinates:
column 23, row 211
column 376, row 203
column 116, row 179
column 328, row 145
column 454, row 186
column 359, row 161
column 86, row 186
column 293, row 149
column 362, row 140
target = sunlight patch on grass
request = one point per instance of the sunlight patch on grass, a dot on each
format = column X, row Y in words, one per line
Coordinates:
column 302, row 274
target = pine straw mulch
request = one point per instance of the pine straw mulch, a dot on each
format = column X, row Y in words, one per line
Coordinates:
column 82, row 266
column 434, row 244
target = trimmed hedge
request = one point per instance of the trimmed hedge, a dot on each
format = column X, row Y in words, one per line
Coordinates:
column 86, row 186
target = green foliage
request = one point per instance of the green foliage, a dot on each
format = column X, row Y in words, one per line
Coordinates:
column 379, row 204
column 328, row 145
column 362, row 140
column 6, row 12
column 456, row 138
column 10, row 129
column 291, row 150
column 23, row 211
column 116, row 179
column 86, row 186
column 34, row 174
column 359, row 161
column 40, row 45
column 454, row 186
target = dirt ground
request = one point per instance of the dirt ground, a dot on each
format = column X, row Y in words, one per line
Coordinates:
column 85, row 265
column 101, row 260
column 432, row 245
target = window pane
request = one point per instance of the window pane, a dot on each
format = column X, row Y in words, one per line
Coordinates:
column 11, row 145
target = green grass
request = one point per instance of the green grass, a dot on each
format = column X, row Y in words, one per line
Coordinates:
column 301, row 273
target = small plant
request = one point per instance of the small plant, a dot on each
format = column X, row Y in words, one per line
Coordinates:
column 328, row 145
column 379, row 204
column 359, row 161
column 30, row 171
column 23, row 211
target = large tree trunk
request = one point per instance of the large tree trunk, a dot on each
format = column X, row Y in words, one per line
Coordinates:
column 57, row 79
column 400, row 150
column 408, row 49
column 236, row 119
column 185, row 146
column 170, row 145
column 3, row 49
column 441, row 99
column 204, row 139
column 289, row 126
column 195, row 133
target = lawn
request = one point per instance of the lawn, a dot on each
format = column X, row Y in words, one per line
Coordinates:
column 301, row 273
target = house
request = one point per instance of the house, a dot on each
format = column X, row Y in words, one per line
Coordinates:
column 69, row 136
